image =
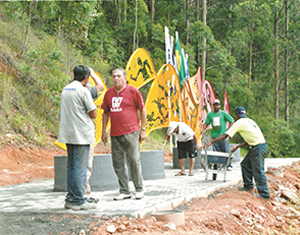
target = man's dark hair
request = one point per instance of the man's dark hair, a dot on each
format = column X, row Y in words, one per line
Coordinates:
column 80, row 71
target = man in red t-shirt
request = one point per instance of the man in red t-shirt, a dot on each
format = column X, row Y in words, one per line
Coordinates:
column 121, row 104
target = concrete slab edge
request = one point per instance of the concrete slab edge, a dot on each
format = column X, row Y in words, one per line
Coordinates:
column 172, row 204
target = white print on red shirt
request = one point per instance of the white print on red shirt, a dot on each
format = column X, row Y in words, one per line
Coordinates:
column 116, row 102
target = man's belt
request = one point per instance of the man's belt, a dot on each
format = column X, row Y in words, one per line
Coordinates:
column 252, row 146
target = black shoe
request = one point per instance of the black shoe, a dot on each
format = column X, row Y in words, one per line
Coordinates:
column 265, row 198
column 245, row 189
column 92, row 200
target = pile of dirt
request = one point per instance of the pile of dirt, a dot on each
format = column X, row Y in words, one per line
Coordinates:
column 227, row 211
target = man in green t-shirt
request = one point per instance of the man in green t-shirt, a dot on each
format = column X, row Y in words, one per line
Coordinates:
column 217, row 119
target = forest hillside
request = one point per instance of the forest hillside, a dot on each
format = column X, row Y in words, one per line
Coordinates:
column 248, row 48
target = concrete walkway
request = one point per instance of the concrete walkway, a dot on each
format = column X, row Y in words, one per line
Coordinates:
column 163, row 194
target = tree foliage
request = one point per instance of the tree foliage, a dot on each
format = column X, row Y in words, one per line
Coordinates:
column 103, row 34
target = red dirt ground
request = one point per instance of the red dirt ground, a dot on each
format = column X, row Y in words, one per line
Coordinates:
column 227, row 211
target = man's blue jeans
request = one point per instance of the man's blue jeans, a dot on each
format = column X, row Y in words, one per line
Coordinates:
column 78, row 160
column 222, row 146
column 253, row 166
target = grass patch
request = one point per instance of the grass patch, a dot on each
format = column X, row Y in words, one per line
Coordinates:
column 154, row 140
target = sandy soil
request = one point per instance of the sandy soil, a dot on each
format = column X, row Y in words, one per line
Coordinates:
column 229, row 211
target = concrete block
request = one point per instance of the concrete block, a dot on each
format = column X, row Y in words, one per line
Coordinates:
column 103, row 176
column 60, row 173
column 176, row 164
column 153, row 166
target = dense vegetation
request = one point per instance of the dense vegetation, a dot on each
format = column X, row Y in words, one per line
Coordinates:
column 252, row 52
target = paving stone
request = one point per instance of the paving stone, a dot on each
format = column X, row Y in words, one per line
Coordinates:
column 172, row 190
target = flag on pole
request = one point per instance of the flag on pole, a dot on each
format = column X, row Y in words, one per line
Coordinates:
column 169, row 47
column 186, row 63
column 180, row 62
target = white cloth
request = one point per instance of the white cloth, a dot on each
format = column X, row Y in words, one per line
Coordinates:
column 185, row 133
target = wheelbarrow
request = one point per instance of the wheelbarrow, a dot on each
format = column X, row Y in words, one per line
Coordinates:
column 215, row 162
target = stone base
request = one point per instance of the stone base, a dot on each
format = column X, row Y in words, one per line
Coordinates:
column 176, row 165
column 103, row 176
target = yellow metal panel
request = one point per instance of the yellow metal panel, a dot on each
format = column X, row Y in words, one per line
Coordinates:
column 163, row 100
column 140, row 69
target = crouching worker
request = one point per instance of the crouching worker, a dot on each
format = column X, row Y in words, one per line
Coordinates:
column 187, row 143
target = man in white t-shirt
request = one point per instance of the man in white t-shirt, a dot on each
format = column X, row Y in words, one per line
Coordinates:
column 76, row 130
column 187, row 143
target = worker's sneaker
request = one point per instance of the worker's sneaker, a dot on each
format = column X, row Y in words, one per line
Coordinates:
column 84, row 206
column 69, row 205
column 245, row 189
column 122, row 196
column 230, row 168
column 139, row 195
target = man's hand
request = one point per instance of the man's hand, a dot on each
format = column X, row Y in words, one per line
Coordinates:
column 142, row 136
column 207, row 145
column 104, row 137
column 98, row 83
column 197, row 147
column 234, row 148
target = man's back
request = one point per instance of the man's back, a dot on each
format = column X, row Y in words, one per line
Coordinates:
column 76, row 126
column 185, row 133
column 249, row 130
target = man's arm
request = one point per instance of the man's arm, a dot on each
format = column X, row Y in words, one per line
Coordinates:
column 220, row 137
column 93, row 114
column 166, row 139
column 204, row 128
column 234, row 148
column 143, row 124
column 205, row 125
column 97, row 80
column 230, row 124
column 105, row 118
column 197, row 146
